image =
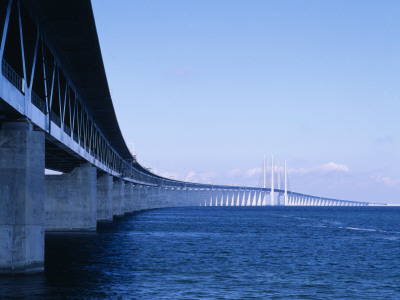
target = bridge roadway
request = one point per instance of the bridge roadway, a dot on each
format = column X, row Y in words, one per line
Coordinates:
column 56, row 112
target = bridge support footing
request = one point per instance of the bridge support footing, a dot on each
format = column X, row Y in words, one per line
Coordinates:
column 104, row 198
column 71, row 200
column 21, row 199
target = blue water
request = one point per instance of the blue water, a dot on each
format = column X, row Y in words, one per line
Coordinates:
column 225, row 253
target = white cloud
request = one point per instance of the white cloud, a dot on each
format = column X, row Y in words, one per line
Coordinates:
column 191, row 175
column 171, row 175
column 324, row 168
column 204, row 177
column 234, row 172
column 254, row 172
column 253, row 176
column 392, row 182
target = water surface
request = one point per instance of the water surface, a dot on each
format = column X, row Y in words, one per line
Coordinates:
column 225, row 253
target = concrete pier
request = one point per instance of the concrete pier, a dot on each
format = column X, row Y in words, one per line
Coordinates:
column 163, row 197
column 152, row 197
column 104, row 198
column 128, row 201
column 21, row 199
column 118, row 197
column 144, row 197
column 71, row 200
column 136, row 197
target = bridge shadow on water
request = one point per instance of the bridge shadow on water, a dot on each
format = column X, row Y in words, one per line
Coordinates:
column 224, row 253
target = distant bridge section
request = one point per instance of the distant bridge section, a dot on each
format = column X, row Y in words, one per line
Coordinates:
column 266, row 197
column 56, row 112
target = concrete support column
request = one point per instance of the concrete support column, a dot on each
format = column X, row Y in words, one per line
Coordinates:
column 21, row 199
column 128, row 198
column 185, row 197
column 176, row 198
column 208, row 197
column 104, row 198
column 153, row 197
column 118, row 197
column 149, row 197
column 200, row 197
column 214, row 197
column 71, row 200
column 203, row 197
column 196, row 197
column 243, row 203
column 226, row 198
column 180, row 194
column 136, row 197
column 237, row 198
column 167, row 193
column 278, row 199
column 160, row 197
column 143, row 197
column 164, row 198
column 192, row 196
column 180, row 197
column 254, row 201
column 248, row 198
column 218, row 197
column 232, row 197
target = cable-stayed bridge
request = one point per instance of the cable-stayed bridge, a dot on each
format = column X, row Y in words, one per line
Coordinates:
column 56, row 112
column 264, row 197
column 271, row 194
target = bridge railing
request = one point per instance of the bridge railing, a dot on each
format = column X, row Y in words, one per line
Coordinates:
column 38, row 102
column 12, row 76
column 56, row 119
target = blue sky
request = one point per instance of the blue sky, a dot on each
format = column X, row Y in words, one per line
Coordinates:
column 205, row 88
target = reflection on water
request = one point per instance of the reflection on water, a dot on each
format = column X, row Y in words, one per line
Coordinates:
column 225, row 253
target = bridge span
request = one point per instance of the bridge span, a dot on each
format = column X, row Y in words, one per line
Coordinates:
column 56, row 112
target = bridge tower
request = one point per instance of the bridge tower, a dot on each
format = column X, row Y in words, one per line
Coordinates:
column 278, row 202
column 272, row 182
column 265, row 174
column 286, row 195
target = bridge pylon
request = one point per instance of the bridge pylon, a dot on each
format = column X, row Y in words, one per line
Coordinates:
column 272, row 182
column 286, row 195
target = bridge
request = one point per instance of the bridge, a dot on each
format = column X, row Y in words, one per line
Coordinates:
column 56, row 113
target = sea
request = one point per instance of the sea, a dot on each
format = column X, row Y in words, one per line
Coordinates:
column 224, row 253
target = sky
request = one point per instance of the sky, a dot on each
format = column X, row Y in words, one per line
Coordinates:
column 204, row 89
